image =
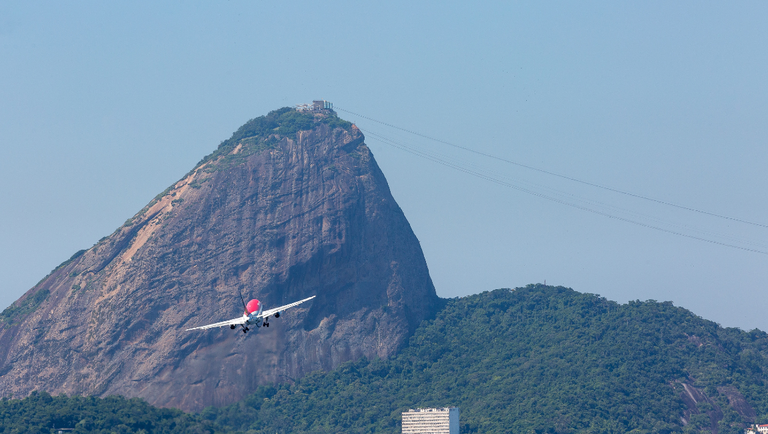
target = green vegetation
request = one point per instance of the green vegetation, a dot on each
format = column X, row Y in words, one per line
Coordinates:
column 199, row 183
column 15, row 311
column 284, row 122
column 149, row 205
column 42, row 413
column 334, row 122
column 262, row 133
column 77, row 254
column 254, row 136
column 537, row 359
column 60, row 266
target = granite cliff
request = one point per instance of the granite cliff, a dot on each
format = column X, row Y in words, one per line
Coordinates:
column 292, row 205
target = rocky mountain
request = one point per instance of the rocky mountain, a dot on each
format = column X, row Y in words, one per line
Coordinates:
column 292, row 205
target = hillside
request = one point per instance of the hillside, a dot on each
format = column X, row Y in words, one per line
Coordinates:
column 42, row 413
column 292, row 205
column 537, row 359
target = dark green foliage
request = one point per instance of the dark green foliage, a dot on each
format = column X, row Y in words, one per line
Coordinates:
column 284, row 122
column 41, row 413
column 532, row 360
column 536, row 359
column 17, row 310
column 199, row 183
column 334, row 122
column 263, row 133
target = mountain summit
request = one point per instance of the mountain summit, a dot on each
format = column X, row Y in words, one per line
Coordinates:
column 292, row 205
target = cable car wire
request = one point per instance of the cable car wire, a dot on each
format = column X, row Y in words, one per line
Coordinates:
column 504, row 180
column 489, row 178
column 626, row 193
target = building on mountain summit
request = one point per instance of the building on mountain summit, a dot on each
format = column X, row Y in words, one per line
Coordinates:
column 321, row 105
column 316, row 106
column 431, row 421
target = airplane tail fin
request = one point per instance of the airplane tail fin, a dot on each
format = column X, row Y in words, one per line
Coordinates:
column 245, row 309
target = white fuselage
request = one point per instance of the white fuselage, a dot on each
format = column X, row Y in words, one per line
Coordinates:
column 253, row 318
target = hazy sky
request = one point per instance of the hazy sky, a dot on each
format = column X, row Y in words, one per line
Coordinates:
column 103, row 106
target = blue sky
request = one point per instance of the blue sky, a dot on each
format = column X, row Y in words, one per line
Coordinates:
column 103, row 106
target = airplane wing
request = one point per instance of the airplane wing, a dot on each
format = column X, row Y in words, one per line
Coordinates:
column 236, row 321
column 269, row 312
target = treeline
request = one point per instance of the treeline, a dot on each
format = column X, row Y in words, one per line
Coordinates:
column 532, row 360
column 536, row 359
column 42, row 413
column 283, row 122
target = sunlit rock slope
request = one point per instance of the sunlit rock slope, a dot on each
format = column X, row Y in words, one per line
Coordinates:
column 292, row 205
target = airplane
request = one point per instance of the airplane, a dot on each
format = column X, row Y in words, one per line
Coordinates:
column 254, row 315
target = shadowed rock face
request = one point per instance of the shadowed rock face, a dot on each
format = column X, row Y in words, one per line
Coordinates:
column 293, row 205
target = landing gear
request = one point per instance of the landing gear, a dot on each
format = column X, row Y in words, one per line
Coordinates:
column 266, row 324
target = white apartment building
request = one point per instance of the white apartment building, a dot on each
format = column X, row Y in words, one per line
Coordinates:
column 431, row 421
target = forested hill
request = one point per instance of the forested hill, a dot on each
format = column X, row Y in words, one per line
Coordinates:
column 535, row 359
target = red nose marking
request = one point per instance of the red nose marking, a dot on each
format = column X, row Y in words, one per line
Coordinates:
column 253, row 306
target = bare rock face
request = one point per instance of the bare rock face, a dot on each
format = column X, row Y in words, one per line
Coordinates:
column 292, row 205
